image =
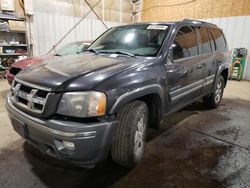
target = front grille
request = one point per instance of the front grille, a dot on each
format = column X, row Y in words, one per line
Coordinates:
column 28, row 96
column 14, row 70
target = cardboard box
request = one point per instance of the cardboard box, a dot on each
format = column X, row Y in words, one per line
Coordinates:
column 17, row 25
column 7, row 5
column 19, row 10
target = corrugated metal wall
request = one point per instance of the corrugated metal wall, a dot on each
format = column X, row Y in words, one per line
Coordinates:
column 49, row 28
column 54, row 18
column 237, row 31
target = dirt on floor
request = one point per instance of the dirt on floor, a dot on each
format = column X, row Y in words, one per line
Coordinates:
column 196, row 147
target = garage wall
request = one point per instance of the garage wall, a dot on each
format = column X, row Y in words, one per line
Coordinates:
column 52, row 19
column 233, row 16
column 108, row 10
column 48, row 29
column 237, row 31
column 165, row 10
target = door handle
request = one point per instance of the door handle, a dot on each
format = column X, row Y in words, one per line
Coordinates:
column 199, row 67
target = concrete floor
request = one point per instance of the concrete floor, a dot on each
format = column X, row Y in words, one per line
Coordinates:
column 195, row 147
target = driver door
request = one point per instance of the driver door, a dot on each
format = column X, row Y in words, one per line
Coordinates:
column 185, row 70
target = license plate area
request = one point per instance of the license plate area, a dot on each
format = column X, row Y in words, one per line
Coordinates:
column 20, row 128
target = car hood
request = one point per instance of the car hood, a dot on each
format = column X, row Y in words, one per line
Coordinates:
column 59, row 73
column 30, row 61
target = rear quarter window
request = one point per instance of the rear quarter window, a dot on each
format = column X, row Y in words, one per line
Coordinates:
column 219, row 39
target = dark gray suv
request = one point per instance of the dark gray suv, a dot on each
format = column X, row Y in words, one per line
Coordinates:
column 81, row 108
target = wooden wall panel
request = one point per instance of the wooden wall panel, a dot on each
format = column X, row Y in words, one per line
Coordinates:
column 169, row 10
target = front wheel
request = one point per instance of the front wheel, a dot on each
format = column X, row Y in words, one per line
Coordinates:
column 214, row 99
column 129, row 140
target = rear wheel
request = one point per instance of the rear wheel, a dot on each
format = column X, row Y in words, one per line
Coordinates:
column 129, row 140
column 214, row 99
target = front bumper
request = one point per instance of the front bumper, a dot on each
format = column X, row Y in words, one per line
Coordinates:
column 91, row 140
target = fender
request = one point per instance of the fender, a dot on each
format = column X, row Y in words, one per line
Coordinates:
column 219, row 71
column 137, row 93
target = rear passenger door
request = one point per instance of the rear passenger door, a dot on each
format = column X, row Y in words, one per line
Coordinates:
column 221, row 51
column 207, row 49
column 219, row 55
column 185, row 72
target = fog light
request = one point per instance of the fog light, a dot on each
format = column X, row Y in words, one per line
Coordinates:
column 69, row 145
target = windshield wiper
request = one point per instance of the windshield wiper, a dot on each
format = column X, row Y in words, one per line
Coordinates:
column 124, row 53
column 57, row 54
column 92, row 50
column 119, row 52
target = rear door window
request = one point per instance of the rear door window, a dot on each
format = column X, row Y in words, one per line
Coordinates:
column 219, row 39
column 185, row 43
column 205, row 40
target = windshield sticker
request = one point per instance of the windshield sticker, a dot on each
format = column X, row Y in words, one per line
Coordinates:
column 157, row 27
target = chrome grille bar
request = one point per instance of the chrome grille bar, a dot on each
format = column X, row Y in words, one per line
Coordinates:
column 32, row 85
column 29, row 100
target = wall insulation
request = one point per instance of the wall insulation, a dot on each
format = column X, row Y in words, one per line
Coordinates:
column 166, row 10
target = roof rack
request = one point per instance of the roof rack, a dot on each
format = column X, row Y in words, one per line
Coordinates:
column 199, row 21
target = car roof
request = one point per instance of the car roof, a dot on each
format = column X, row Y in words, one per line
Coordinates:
column 184, row 22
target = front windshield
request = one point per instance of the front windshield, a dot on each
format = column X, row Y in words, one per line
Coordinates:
column 71, row 48
column 140, row 40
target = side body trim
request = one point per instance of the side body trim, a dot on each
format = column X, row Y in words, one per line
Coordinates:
column 181, row 92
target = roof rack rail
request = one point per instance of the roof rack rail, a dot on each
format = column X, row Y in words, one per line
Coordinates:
column 199, row 21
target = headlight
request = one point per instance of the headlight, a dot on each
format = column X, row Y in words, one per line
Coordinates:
column 83, row 104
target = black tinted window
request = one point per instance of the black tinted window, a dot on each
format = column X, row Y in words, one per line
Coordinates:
column 205, row 41
column 219, row 39
column 185, row 43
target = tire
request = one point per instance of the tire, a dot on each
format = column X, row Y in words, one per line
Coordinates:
column 214, row 99
column 129, row 140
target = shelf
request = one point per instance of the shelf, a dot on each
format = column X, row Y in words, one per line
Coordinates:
column 10, row 17
column 13, row 31
column 14, row 45
column 13, row 54
column 18, row 35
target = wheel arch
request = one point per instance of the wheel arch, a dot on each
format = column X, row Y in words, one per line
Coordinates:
column 153, row 102
column 152, row 95
column 223, row 71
